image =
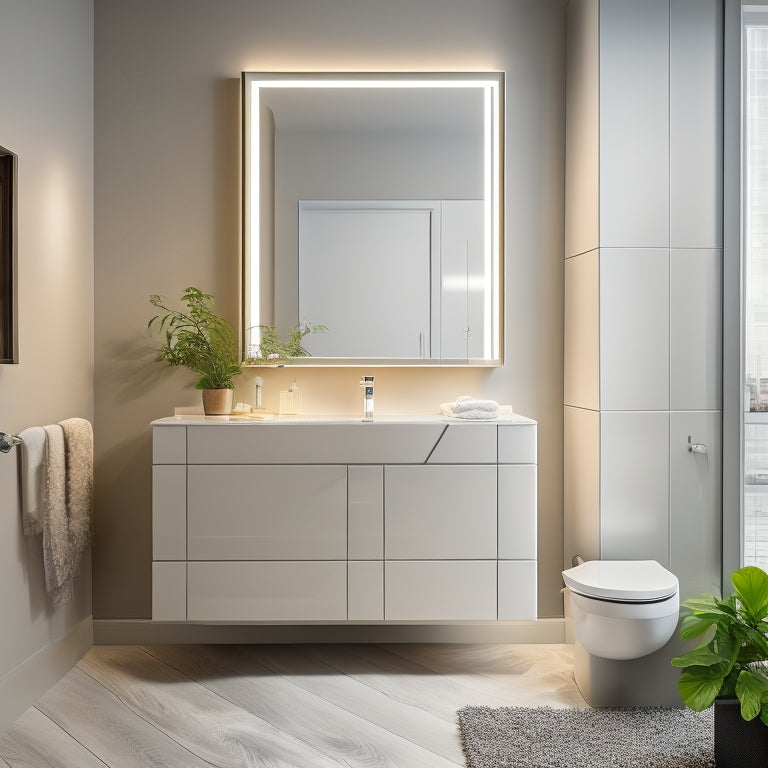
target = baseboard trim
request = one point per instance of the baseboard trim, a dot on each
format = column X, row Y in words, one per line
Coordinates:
column 145, row 631
column 23, row 686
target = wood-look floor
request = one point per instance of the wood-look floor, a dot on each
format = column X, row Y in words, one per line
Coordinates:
column 305, row 706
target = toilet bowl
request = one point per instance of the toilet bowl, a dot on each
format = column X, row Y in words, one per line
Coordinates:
column 622, row 609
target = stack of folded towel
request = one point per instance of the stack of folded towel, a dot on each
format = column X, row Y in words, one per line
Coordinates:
column 57, row 498
column 467, row 407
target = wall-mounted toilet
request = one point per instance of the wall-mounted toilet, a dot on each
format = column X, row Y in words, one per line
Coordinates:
column 624, row 612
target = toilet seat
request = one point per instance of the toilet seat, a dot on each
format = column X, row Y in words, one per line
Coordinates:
column 623, row 581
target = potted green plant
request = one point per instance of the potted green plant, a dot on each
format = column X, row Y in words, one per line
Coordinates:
column 729, row 670
column 203, row 342
column 272, row 350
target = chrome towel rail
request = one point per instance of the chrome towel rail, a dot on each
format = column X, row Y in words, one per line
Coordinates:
column 8, row 441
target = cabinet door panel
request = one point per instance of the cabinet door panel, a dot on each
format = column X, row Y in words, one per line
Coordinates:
column 440, row 590
column 169, row 512
column 440, row 512
column 169, row 591
column 276, row 591
column 267, row 512
column 366, row 513
column 517, row 512
column 365, row 590
column 517, row 590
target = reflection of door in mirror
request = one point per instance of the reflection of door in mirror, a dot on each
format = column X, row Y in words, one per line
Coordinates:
column 394, row 279
column 364, row 273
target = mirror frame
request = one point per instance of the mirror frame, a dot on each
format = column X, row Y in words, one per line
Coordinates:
column 493, row 85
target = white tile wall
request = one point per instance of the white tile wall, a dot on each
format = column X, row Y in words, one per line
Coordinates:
column 632, row 490
column 695, row 97
column 634, row 124
column 695, row 494
column 634, row 486
column 696, row 351
column 581, row 484
column 582, row 330
column 634, row 329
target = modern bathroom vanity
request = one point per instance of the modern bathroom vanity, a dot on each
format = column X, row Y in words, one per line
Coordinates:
column 312, row 519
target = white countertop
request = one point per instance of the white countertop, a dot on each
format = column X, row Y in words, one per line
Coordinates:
column 194, row 420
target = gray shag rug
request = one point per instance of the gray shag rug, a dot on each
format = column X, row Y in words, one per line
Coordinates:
column 521, row 737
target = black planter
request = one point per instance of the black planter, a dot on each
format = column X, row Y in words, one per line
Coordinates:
column 738, row 743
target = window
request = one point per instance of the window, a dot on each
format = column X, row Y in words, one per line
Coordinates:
column 755, row 286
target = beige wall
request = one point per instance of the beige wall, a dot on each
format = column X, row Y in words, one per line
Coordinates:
column 46, row 118
column 167, row 216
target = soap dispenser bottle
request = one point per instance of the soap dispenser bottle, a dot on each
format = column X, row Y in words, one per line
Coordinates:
column 295, row 397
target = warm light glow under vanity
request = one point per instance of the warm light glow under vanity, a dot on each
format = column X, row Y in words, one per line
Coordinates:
column 317, row 519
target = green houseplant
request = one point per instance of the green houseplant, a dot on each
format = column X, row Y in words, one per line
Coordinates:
column 272, row 350
column 729, row 670
column 199, row 340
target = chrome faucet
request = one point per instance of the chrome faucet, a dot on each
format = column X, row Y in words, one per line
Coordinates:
column 366, row 382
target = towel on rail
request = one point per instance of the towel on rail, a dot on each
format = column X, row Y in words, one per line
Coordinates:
column 68, row 508
column 32, row 479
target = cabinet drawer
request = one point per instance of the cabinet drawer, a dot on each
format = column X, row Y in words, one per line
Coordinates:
column 281, row 443
column 440, row 590
column 517, row 444
column 267, row 512
column 440, row 512
column 466, row 444
column 276, row 591
column 169, row 445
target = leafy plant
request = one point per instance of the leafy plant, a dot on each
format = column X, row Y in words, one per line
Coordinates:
column 198, row 339
column 272, row 348
column 732, row 663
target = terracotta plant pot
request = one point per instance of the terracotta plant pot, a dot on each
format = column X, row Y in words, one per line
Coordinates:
column 217, row 402
column 738, row 743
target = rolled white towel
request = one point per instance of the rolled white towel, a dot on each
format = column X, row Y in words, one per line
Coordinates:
column 464, row 406
column 477, row 414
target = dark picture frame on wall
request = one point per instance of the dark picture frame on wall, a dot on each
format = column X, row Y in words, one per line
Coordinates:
column 8, row 330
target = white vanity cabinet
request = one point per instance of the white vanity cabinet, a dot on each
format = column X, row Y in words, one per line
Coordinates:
column 302, row 520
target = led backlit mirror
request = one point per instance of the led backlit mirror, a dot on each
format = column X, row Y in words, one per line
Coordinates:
column 372, row 206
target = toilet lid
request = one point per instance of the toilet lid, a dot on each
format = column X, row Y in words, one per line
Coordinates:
column 622, row 580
